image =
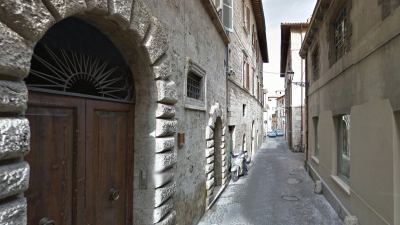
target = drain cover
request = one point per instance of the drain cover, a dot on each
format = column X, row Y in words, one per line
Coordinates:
column 290, row 198
column 293, row 181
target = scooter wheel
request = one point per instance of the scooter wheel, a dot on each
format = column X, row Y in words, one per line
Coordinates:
column 235, row 176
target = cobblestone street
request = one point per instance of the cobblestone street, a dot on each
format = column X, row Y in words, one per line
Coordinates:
column 277, row 191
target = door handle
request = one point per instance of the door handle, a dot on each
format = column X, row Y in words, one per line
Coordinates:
column 114, row 194
column 46, row 221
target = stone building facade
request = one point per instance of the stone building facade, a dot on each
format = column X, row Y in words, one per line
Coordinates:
column 169, row 97
column 281, row 113
column 352, row 50
column 247, row 53
column 293, row 69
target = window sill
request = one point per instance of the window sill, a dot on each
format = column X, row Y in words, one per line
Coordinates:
column 315, row 159
column 345, row 187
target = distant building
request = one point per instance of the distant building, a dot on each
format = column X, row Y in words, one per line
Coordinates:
column 293, row 69
column 280, row 113
column 246, row 53
column 352, row 50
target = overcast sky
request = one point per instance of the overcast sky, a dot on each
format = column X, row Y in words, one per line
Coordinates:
column 276, row 12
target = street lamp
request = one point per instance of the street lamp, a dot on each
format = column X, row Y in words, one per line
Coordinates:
column 290, row 74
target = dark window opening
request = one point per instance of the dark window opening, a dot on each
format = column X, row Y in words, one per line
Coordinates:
column 193, row 86
column 340, row 32
column 74, row 57
column 315, row 63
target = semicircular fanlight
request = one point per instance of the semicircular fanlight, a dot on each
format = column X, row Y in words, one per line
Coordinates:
column 86, row 63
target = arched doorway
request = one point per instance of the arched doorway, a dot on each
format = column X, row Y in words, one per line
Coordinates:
column 81, row 113
column 218, row 154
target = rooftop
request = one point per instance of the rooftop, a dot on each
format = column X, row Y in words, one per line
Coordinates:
column 285, row 40
column 261, row 30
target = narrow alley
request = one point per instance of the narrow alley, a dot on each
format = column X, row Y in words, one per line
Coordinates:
column 277, row 191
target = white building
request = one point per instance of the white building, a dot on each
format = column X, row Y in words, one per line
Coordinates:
column 293, row 69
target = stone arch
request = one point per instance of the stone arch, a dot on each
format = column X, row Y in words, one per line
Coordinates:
column 137, row 32
column 215, row 115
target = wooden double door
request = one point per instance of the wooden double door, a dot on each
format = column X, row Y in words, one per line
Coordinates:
column 81, row 161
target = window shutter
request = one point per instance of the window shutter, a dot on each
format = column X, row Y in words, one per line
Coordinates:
column 228, row 15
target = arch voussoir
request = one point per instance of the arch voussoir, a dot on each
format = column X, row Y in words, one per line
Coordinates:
column 140, row 20
column 15, row 53
column 121, row 8
column 155, row 41
column 30, row 19
column 63, row 8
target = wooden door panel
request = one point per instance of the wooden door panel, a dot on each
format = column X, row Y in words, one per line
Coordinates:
column 109, row 158
column 55, row 145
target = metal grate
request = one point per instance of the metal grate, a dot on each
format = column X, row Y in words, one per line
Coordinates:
column 193, row 86
column 315, row 63
column 340, row 27
column 74, row 58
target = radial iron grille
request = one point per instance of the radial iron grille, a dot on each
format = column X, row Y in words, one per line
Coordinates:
column 75, row 57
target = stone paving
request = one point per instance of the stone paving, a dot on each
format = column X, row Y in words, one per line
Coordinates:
column 277, row 191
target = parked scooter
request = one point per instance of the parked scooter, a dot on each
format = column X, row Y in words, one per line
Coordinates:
column 239, row 164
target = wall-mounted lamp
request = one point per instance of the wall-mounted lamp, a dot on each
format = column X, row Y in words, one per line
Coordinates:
column 290, row 74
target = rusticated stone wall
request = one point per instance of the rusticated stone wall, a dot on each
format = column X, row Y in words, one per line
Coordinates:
column 215, row 112
column 22, row 24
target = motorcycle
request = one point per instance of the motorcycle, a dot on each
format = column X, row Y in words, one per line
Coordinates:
column 239, row 164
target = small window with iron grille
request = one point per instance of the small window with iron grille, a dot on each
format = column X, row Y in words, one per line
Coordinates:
column 340, row 33
column 193, row 86
column 340, row 28
column 315, row 63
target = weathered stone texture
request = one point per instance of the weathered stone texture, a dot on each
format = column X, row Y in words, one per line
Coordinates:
column 165, row 111
column 15, row 53
column 13, row 96
column 209, row 151
column 164, row 160
column 64, row 8
column 122, row 8
column 210, row 159
column 141, row 19
column 209, row 133
column 28, row 18
column 14, row 179
column 162, row 178
column 350, row 220
column 156, row 41
column 14, row 137
column 210, row 175
column 209, row 183
column 169, row 220
column 167, row 92
column 163, row 210
column 163, row 69
column 165, row 127
column 162, row 194
column 164, row 144
column 14, row 212
column 97, row 4
column 210, row 143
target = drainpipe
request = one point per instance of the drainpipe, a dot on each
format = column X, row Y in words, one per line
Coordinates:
column 306, row 112
column 302, row 96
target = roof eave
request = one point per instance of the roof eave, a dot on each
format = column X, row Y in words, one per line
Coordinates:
column 316, row 19
column 261, row 30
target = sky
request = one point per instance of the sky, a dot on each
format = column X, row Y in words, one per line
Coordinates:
column 276, row 12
